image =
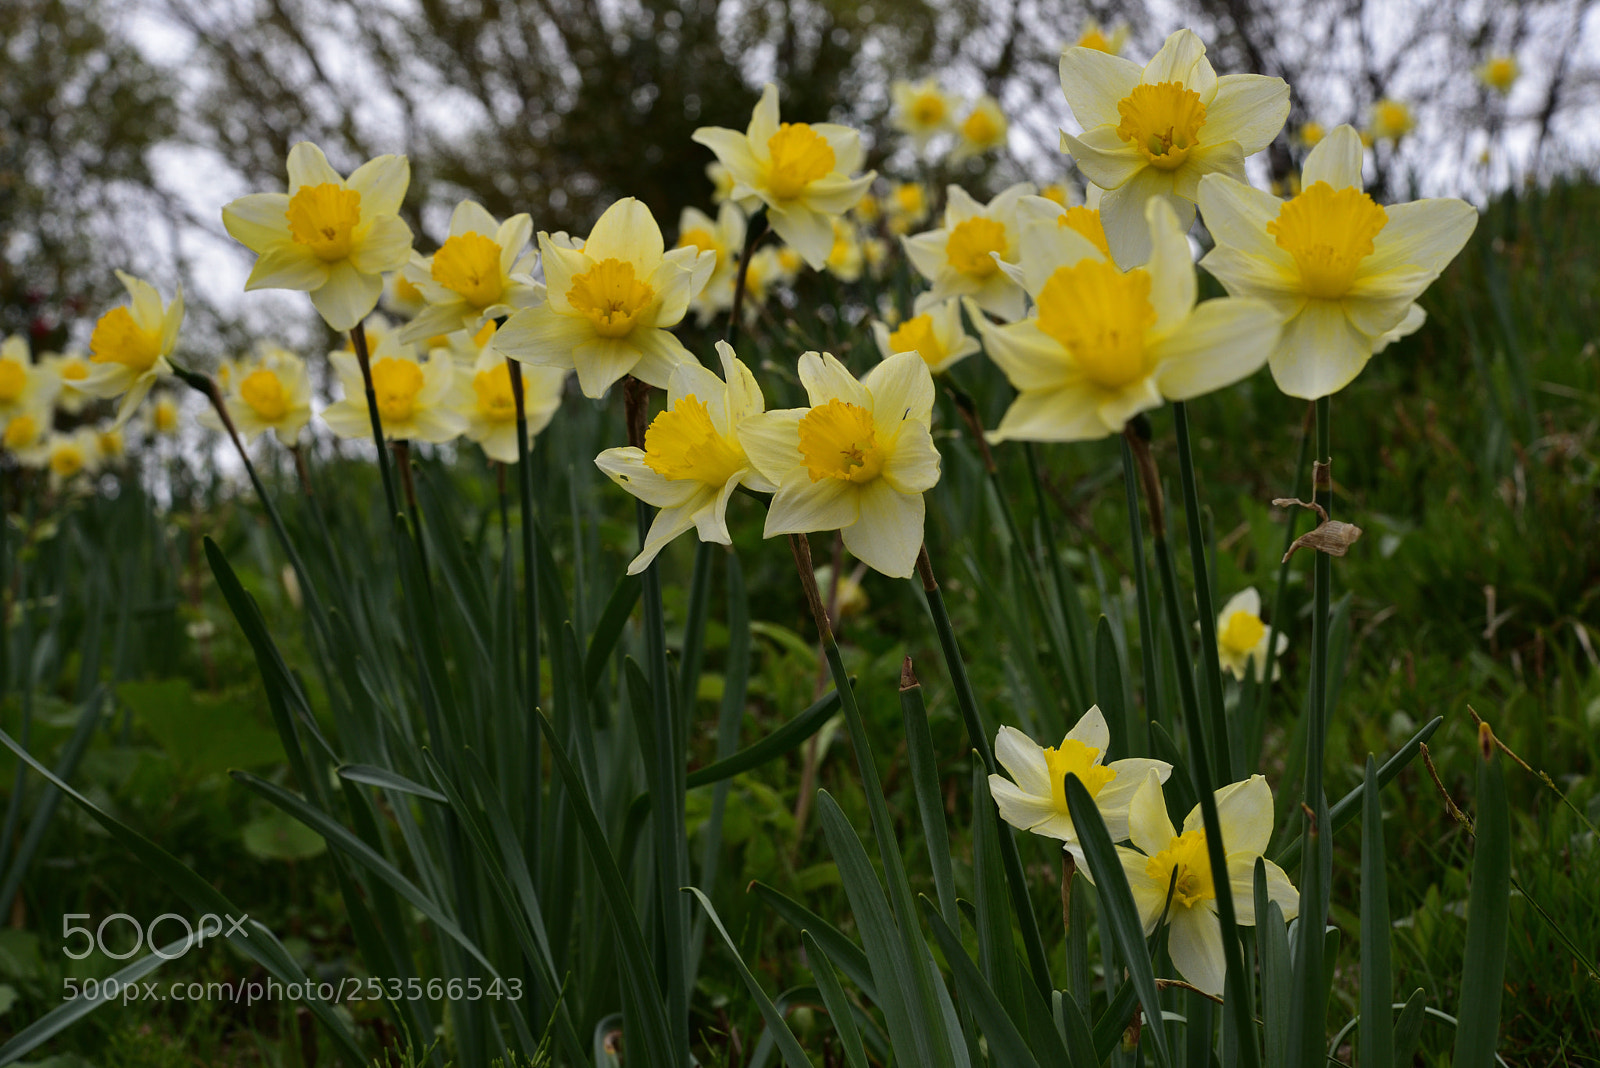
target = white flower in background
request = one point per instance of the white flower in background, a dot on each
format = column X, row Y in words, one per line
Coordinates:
column 1165, row 859
column 857, row 461
column 906, row 205
column 413, row 396
column 71, row 368
column 959, row 258
column 609, row 305
column 723, row 236
column 482, row 395
column 268, row 390
column 481, row 272
column 329, row 236
column 74, row 453
column 692, row 460
column 983, row 130
column 1243, row 640
column 25, row 434
column 1035, row 797
column 935, row 334
column 24, row 385
column 922, row 110
column 801, row 171
column 845, row 259
column 130, row 345
column 1342, row 272
column 1154, row 132
column 721, row 182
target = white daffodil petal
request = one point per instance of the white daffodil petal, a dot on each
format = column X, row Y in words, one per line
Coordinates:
column 888, row 534
column 1222, row 342
column 1320, row 352
column 1336, row 159
column 1195, row 942
column 1024, row 761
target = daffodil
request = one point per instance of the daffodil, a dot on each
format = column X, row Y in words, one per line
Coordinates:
column 400, row 296
column 164, row 417
column 1035, row 799
column 922, row 110
column 1342, row 272
column 721, row 182
column 1103, row 345
column 1390, row 120
column 70, row 368
column 723, row 236
column 935, row 334
column 130, row 345
column 845, row 258
column 848, row 596
column 765, row 271
column 268, row 390
column 1499, row 73
column 609, row 306
column 413, row 395
column 959, row 258
column 24, row 385
column 1243, row 640
column 693, row 457
column 25, row 434
column 906, row 206
column 982, row 130
column 482, row 396
column 1096, row 37
column 1058, row 193
column 800, row 171
column 112, row 441
column 1163, row 860
column 875, row 253
column 1310, row 134
column 329, row 236
column 465, row 348
column 72, row 454
column 868, row 209
column 481, row 272
column 1155, row 132
column 857, row 461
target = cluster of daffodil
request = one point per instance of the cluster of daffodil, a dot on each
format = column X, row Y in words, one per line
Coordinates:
column 1168, row 872
column 46, row 415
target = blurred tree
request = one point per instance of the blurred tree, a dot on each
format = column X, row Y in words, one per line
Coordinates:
column 80, row 111
column 549, row 106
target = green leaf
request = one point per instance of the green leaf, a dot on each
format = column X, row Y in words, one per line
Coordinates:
column 783, row 740
column 1272, row 944
column 840, row 1011
column 1117, row 907
column 1350, row 804
column 930, row 802
column 1006, row 1044
column 277, row 836
column 1377, row 1018
column 788, row 1045
column 1488, row 915
column 203, row 737
column 368, row 775
column 844, row 953
column 1408, row 1028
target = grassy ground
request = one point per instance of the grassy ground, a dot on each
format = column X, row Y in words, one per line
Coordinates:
column 1467, row 453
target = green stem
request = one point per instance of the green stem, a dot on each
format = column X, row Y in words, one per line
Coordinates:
column 532, row 682
column 1211, row 667
column 1280, row 608
column 671, row 863
column 1306, row 1026
column 1141, row 587
column 1066, row 595
column 978, row 737
column 358, row 341
column 754, row 231
column 1200, row 764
